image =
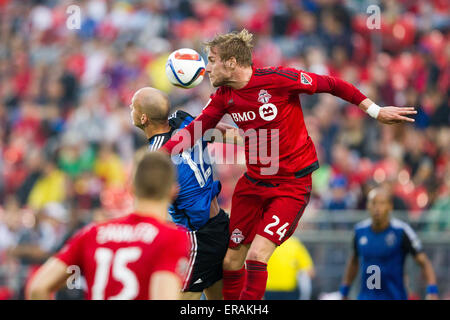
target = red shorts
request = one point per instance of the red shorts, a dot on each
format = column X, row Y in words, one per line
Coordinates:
column 270, row 210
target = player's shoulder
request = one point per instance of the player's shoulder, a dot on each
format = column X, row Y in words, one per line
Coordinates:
column 87, row 229
column 279, row 71
column 401, row 225
column 221, row 91
column 180, row 119
column 363, row 225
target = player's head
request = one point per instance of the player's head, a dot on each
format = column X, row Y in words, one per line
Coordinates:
column 154, row 177
column 379, row 204
column 149, row 107
column 226, row 53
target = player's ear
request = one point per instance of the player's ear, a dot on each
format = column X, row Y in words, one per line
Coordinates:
column 231, row 63
column 144, row 119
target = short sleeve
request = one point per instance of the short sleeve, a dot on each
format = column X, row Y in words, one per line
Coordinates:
column 297, row 81
column 174, row 255
column 411, row 242
column 71, row 252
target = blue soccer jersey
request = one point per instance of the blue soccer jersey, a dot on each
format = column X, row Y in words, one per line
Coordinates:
column 384, row 253
column 195, row 177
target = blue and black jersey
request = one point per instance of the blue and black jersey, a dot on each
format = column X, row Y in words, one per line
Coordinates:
column 195, row 177
column 386, row 250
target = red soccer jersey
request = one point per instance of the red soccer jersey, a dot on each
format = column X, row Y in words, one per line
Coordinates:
column 268, row 110
column 271, row 101
column 119, row 257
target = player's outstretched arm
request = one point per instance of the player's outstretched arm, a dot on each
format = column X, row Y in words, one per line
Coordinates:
column 351, row 271
column 430, row 277
column 348, row 92
column 48, row 279
column 389, row 114
column 165, row 285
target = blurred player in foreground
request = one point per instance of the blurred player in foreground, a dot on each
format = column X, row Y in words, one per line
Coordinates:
column 139, row 256
column 196, row 207
column 380, row 247
column 270, row 198
column 290, row 271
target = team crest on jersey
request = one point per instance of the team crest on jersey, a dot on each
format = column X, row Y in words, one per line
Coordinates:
column 305, row 79
column 363, row 240
column 264, row 96
column 237, row 236
column 390, row 239
column 268, row 111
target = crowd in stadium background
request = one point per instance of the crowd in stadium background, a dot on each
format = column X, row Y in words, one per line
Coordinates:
column 66, row 137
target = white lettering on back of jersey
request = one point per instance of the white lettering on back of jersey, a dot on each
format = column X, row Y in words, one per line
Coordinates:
column 143, row 232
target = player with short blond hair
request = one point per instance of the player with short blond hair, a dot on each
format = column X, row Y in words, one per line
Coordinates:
column 271, row 196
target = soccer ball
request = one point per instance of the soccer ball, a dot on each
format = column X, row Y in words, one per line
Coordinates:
column 185, row 68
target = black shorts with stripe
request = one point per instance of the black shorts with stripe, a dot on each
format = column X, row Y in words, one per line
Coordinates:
column 209, row 246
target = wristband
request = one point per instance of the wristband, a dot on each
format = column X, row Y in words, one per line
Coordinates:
column 344, row 289
column 432, row 289
column 373, row 110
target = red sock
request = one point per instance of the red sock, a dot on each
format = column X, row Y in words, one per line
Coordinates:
column 233, row 282
column 255, row 285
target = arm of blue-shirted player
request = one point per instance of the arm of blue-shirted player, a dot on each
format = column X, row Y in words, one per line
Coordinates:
column 428, row 272
column 350, row 273
column 348, row 92
column 413, row 245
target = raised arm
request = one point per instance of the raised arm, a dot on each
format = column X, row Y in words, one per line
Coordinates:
column 207, row 119
column 348, row 92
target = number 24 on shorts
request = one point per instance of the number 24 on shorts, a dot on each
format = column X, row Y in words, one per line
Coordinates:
column 281, row 231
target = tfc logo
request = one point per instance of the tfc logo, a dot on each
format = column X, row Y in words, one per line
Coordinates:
column 246, row 116
column 268, row 111
column 390, row 239
column 264, row 96
column 237, row 236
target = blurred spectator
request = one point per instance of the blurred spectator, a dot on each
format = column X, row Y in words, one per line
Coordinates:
column 50, row 187
column 339, row 198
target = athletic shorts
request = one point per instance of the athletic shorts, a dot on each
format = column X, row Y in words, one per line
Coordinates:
column 209, row 245
column 270, row 210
